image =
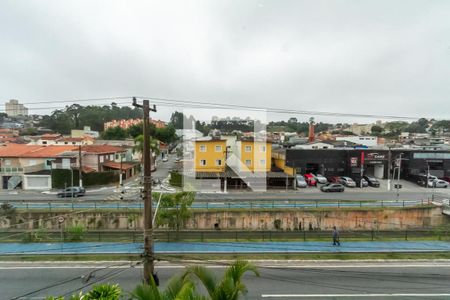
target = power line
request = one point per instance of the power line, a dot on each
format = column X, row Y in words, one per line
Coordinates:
column 87, row 278
column 214, row 105
column 279, row 110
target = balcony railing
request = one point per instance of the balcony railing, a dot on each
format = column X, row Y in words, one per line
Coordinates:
column 21, row 170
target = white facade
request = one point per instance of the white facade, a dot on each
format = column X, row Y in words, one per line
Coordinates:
column 369, row 141
column 316, row 145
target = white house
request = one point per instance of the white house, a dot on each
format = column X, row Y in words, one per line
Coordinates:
column 369, row 141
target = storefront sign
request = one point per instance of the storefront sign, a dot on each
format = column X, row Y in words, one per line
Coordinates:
column 375, row 156
column 353, row 161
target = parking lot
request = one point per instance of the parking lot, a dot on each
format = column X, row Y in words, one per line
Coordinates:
column 407, row 186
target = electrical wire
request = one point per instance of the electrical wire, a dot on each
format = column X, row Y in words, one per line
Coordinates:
column 211, row 105
column 109, row 275
column 62, row 282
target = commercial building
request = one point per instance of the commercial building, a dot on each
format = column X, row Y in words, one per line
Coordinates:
column 356, row 162
column 14, row 109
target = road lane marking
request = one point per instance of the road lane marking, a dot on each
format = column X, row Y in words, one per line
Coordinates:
column 349, row 295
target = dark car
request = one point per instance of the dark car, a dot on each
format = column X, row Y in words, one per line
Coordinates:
column 332, row 187
column 361, row 182
column 73, row 191
column 373, row 182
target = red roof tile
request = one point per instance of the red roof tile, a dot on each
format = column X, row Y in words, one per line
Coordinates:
column 33, row 151
column 116, row 165
column 101, row 149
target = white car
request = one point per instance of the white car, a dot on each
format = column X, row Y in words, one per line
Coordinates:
column 347, row 181
column 438, row 183
column 300, row 181
column 320, row 178
column 165, row 159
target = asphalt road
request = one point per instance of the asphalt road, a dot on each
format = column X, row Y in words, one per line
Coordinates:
column 278, row 280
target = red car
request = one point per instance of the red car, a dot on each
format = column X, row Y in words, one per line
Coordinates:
column 335, row 179
column 446, row 178
column 310, row 179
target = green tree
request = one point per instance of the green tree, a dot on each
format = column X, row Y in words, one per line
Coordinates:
column 230, row 287
column 377, row 130
column 135, row 130
column 104, row 292
column 177, row 120
column 165, row 134
column 139, row 145
column 178, row 288
column 396, row 127
column 442, row 125
column 114, row 133
column 174, row 209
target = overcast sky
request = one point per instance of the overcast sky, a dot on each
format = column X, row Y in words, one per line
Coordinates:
column 369, row 57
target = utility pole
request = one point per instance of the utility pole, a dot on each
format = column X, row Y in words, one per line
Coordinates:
column 120, row 178
column 148, row 254
column 389, row 170
column 80, row 167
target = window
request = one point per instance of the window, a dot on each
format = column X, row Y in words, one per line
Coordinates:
column 44, row 142
column 102, row 159
column 111, row 157
column 202, row 162
column 262, row 162
column 73, row 143
column 202, row 148
column 32, row 162
column 65, row 143
column 218, row 148
column 7, row 162
column 248, row 148
column 248, row 162
column 218, row 162
column 262, row 148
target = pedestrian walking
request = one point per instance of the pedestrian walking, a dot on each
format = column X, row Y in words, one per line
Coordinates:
column 336, row 237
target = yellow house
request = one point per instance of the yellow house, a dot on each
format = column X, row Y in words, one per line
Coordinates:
column 254, row 155
column 279, row 160
column 209, row 155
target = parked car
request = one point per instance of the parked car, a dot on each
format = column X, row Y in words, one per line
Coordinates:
column 335, row 179
column 445, row 178
column 73, row 191
column 423, row 178
column 310, row 179
column 301, row 182
column 438, row 183
column 332, row 187
column 361, row 182
column 320, row 178
column 347, row 181
column 373, row 182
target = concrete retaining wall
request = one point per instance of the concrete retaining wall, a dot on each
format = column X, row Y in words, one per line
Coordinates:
column 345, row 219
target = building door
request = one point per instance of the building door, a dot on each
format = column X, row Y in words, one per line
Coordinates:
column 5, row 182
column 378, row 171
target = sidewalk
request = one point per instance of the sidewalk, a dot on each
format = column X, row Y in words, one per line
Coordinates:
column 259, row 247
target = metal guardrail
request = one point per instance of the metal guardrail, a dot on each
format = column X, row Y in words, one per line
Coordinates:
column 131, row 235
column 248, row 205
